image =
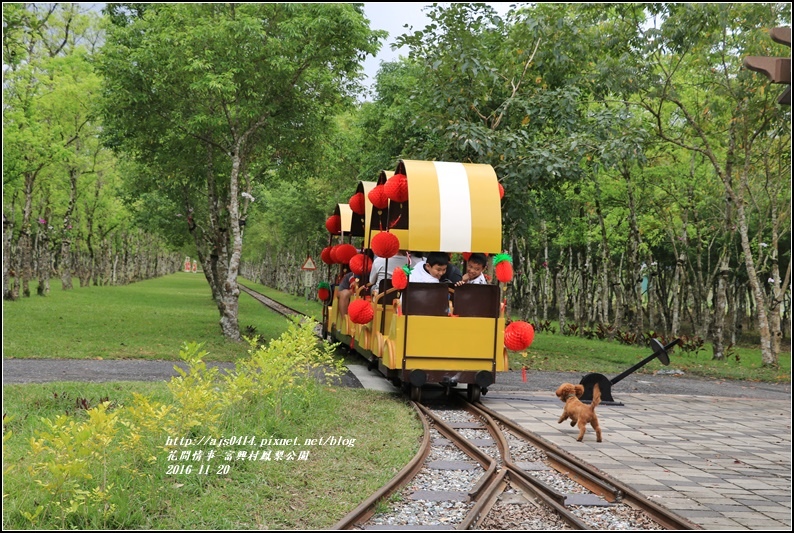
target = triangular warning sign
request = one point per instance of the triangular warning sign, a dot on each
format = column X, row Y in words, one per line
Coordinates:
column 309, row 264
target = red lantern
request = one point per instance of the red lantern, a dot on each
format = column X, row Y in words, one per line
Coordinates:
column 503, row 264
column 519, row 335
column 399, row 278
column 466, row 255
column 385, row 244
column 501, row 191
column 360, row 264
column 334, row 224
column 325, row 255
column 378, row 197
column 360, row 312
column 344, row 253
column 396, row 188
column 357, row 204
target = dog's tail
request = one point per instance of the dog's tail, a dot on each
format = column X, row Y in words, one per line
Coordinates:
column 596, row 396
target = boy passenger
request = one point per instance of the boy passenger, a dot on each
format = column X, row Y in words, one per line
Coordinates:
column 431, row 270
column 474, row 270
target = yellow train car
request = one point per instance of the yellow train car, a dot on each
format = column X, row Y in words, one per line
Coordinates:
column 429, row 333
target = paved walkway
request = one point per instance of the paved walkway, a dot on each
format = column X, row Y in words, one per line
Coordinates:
column 722, row 463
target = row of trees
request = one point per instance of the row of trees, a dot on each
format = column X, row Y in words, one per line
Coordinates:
column 647, row 173
column 61, row 212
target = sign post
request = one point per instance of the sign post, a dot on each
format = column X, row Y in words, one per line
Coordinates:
column 308, row 269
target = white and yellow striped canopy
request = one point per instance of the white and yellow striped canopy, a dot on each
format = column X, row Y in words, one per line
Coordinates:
column 453, row 207
column 346, row 216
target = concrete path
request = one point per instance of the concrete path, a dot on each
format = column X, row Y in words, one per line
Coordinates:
column 722, row 463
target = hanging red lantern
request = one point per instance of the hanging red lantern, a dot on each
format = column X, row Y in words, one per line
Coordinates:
column 360, row 264
column 357, row 204
column 385, row 244
column 501, row 190
column 466, row 255
column 503, row 266
column 334, row 224
column 360, row 312
column 325, row 256
column 344, row 253
column 396, row 188
column 399, row 278
column 323, row 291
column 519, row 335
column 334, row 249
column 378, row 197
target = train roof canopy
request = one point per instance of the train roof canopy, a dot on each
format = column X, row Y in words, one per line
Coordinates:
column 453, row 207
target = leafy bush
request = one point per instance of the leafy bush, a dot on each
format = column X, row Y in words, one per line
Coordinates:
column 80, row 468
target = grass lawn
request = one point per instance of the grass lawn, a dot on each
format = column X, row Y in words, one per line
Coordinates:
column 145, row 320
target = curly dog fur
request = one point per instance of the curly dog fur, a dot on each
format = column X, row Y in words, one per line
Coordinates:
column 578, row 412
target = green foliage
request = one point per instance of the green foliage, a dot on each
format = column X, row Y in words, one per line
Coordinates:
column 250, row 84
column 100, row 468
column 271, row 370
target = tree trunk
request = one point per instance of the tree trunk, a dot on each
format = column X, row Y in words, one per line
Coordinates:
column 635, row 270
column 45, row 259
column 559, row 290
column 545, row 273
column 66, row 243
column 8, row 232
column 720, row 302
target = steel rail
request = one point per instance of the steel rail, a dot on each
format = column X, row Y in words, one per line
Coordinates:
column 518, row 476
column 365, row 510
column 612, row 488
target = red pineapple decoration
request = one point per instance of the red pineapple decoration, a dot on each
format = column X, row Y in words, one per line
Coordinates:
column 323, row 291
column 360, row 264
column 503, row 266
column 334, row 224
column 378, row 197
column 360, row 312
column 519, row 335
column 399, row 278
column 357, row 204
column 396, row 188
column 385, row 244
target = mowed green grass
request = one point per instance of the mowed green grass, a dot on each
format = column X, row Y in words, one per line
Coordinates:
column 145, row 320
column 554, row 352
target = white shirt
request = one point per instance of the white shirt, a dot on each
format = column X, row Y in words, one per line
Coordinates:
column 479, row 280
column 379, row 271
column 420, row 275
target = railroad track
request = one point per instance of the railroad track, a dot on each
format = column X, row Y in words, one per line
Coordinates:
column 478, row 470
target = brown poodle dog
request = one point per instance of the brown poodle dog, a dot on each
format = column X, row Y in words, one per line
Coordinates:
column 578, row 412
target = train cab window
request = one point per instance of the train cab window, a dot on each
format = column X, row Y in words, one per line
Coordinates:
column 476, row 301
column 428, row 299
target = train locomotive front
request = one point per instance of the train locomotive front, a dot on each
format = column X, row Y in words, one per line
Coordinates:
column 424, row 333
